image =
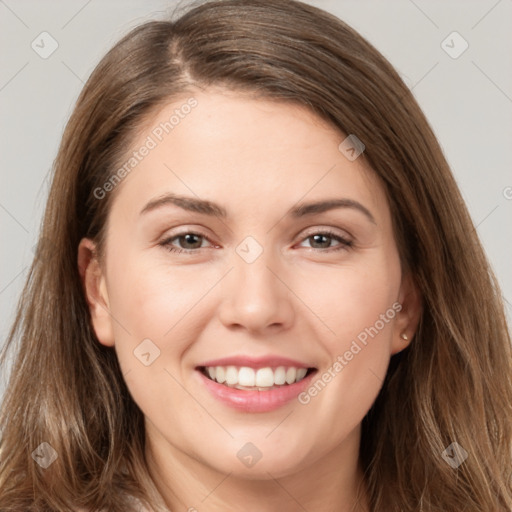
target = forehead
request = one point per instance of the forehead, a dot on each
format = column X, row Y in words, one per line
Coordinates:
column 244, row 153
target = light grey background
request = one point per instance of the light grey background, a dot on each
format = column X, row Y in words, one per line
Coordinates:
column 468, row 101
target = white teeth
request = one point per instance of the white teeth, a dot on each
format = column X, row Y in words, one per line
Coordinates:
column 291, row 373
column 231, row 375
column 220, row 374
column 280, row 375
column 301, row 373
column 265, row 378
column 248, row 378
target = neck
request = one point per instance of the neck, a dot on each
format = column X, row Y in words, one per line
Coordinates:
column 333, row 481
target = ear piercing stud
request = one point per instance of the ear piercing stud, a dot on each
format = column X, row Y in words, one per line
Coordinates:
column 404, row 336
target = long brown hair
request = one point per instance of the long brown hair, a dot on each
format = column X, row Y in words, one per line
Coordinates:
column 452, row 384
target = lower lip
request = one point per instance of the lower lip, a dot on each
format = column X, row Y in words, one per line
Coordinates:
column 256, row 401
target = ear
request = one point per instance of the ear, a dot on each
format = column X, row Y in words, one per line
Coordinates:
column 94, row 285
column 408, row 317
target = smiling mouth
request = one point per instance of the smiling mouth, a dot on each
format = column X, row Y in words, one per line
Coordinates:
column 251, row 379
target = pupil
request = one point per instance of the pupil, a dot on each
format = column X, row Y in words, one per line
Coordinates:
column 188, row 238
column 316, row 237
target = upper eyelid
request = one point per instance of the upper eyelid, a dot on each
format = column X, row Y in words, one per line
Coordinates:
column 330, row 231
column 326, row 229
column 315, row 229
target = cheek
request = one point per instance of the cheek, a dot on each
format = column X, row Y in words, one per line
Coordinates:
column 353, row 302
column 365, row 313
column 153, row 306
column 343, row 391
column 356, row 304
column 151, row 302
column 152, row 297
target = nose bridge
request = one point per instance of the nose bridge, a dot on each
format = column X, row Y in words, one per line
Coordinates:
column 254, row 280
column 256, row 296
column 252, row 266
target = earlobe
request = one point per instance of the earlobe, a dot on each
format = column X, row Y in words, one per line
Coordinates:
column 95, row 290
column 408, row 317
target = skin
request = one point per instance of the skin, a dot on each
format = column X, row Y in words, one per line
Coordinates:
column 298, row 299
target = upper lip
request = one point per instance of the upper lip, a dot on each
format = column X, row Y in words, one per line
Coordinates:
column 255, row 362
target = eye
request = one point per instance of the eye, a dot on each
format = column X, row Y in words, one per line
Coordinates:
column 324, row 239
column 189, row 241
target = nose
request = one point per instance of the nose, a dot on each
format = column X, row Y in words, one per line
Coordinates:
column 257, row 298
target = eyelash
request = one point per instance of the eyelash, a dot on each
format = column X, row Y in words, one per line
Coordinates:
column 344, row 243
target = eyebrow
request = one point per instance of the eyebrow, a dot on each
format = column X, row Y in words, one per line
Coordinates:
column 212, row 209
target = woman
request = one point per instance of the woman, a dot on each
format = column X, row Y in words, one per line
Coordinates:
column 336, row 339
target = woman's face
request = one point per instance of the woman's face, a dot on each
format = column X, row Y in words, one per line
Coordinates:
column 260, row 296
